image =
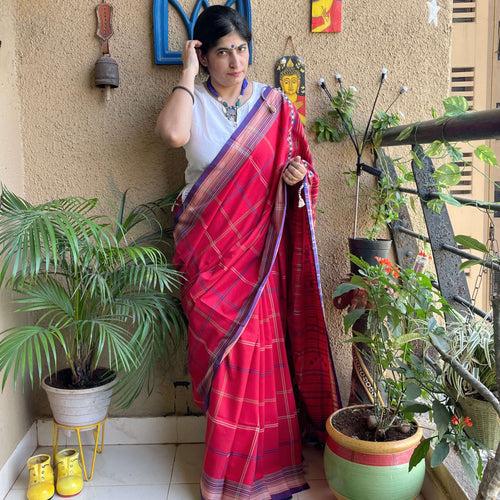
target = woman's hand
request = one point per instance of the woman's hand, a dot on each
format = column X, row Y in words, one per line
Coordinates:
column 190, row 57
column 295, row 171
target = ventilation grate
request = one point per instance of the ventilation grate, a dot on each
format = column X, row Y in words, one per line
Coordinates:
column 464, row 11
column 462, row 84
column 465, row 184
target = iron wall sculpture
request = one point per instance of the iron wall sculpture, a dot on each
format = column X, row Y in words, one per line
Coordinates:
column 163, row 55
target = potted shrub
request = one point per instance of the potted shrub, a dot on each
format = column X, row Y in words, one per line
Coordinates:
column 376, row 450
column 102, row 295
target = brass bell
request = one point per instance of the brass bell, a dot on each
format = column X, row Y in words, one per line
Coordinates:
column 106, row 72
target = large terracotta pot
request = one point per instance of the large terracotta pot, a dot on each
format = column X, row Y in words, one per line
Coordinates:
column 79, row 407
column 358, row 470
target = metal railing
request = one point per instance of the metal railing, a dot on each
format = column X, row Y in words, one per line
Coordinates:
column 451, row 281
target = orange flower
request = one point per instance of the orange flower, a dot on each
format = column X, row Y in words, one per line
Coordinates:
column 388, row 266
column 468, row 422
column 454, row 420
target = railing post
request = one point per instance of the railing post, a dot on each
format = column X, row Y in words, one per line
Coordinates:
column 452, row 281
column 405, row 246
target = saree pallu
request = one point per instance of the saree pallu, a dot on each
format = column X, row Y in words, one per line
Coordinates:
column 257, row 338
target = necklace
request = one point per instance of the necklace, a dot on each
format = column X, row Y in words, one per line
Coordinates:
column 230, row 112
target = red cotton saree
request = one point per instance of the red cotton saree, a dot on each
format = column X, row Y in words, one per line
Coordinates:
column 258, row 349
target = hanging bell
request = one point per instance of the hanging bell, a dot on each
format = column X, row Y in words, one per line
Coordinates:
column 106, row 72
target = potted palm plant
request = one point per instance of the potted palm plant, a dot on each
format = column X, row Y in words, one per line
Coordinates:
column 103, row 295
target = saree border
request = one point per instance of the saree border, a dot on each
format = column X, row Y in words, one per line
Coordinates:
column 336, row 388
column 220, row 155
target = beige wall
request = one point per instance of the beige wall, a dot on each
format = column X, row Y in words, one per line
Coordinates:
column 77, row 144
column 15, row 412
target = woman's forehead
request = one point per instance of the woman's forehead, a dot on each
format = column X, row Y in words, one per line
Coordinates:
column 231, row 39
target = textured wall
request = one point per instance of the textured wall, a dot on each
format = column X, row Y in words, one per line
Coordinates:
column 15, row 412
column 77, row 144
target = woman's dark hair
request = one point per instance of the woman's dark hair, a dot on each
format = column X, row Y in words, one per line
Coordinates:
column 218, row 21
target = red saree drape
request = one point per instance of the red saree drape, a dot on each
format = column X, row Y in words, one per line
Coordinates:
column 258, row 342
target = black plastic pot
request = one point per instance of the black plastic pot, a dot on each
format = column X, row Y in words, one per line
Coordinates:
column 367, row 250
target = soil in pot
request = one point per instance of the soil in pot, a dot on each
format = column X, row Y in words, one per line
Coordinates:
column 63, row 379
column 353, row 423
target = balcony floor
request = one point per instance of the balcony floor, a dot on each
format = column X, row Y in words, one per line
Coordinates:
column 161, row 472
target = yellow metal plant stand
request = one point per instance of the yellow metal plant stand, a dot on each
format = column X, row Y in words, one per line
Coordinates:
column 98, row 429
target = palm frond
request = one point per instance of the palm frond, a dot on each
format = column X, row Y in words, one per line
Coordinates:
column 108, row 332
column 30, row 235
column 148, row 213
column 19, row 345
column 161, row 330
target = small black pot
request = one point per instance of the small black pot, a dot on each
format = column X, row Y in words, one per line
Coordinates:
column 367, row 250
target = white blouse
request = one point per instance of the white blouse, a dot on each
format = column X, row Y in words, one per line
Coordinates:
column 210, row 130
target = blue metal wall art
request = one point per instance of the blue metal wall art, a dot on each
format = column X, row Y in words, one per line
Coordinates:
column 160, row 25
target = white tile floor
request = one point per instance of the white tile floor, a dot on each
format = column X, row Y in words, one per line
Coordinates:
column 162, row 472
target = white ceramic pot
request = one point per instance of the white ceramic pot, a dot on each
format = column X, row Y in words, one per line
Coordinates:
column 78, row 407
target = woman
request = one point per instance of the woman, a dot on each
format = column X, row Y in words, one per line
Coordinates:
column 245, row 243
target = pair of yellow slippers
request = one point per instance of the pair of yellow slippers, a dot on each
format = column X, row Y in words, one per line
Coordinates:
column 41, row 475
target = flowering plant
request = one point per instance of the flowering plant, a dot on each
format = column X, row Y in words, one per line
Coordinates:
column 400, row 307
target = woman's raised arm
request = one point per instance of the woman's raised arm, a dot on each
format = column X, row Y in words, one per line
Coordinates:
column 174, row 121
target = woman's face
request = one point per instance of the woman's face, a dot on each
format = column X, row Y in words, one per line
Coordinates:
column 227, row 62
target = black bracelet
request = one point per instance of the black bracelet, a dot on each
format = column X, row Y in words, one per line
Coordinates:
column 186, row 89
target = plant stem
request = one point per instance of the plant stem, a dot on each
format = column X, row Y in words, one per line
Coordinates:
column 476, row 384
column 363, row 143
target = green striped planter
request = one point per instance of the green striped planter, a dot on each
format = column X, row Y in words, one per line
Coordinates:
column 357, row 470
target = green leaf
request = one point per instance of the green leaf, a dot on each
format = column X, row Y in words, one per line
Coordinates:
column 447, row 198
column 455, row 106
column 454, row 152
column 407, row 338
column 344, row 288
column 417, row 160
column 448, row 174
column 412, row 391
column 415, row 407
column 435, row 205
column 419, row 453
column 357, row 338
column 435, row 149
column 470, row 243
column 359, row 262
column 352, row 317
column 441, row 417
column 405, row 133
column 469, row 263
column 486, row 154
column 469, row 462
column 440, row 453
